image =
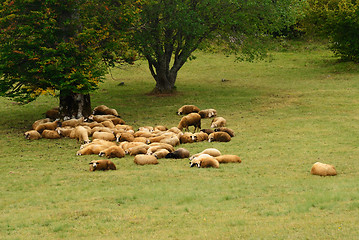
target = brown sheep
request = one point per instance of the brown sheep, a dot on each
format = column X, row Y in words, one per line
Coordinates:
column 72, row 122
column 124, row 127
column 210, row 151
column 108, row 124
column 154, row 148
column 225, row 129
column 65, row 131
column 186, row 138
column 122, row 137
column 91, row 149
column 81, row 134
column 146, row 129
column 175, row 130
column 50, row 134
column 161, row 153
column 99, row 110
column 111, row 111
column 178, row 154
column 103, row 165
column 219, row 137
column 47, row 126
column 118, row 121
column 32, row 135
column 186, row 109
column 104, row 143
column 174, row 141
column 228, row 159
column 323, row 169
column 40, row 121
column 208, row 113
column 192, row 119
column 161, row 128
column 143, row 159
column 145, row 134
column 103, row 135
column 142, row 149
column 200, row 137
column 207, row 130
column 127, row 145
column 111, row 152
column 101, row 129
column 204, row 161
column 140, row 139
column 218, row 122
column 53, row 113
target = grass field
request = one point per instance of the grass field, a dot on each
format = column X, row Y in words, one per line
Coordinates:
column 288, row 113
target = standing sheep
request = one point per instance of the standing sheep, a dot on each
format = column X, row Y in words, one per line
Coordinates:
column 192, row 119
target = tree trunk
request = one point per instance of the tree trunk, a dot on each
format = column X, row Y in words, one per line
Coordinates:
column 165, row 80
column 74, row 105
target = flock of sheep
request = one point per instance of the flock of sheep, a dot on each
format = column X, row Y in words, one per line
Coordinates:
column 111, row 138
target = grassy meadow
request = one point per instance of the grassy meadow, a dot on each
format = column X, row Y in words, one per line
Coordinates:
column 300, row 107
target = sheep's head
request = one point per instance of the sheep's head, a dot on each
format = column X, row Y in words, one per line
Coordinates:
column 93, row 165
column 101, row 154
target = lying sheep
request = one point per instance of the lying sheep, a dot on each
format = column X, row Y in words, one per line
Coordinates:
column 101, row 129
column 154, row 148
column 104, row 143
column 146, row 129
column 208, row 113
column 72, row 122
column 50, row 134
column 219, row 137
column 228, row 159
column 122, row 137
column 178, row 154
column 207, row 130
column 161, row 153
column 133, row 151
column 175, row 130
column 53, row 113
column 65, row 131
column 103, row 165
column 200, row 137
column 145, row 134
column 218, row 122
column 108, row 124
column 143, row 159
column 111, row 152
column 118, row 121
column 173, row 141
column 99, row 110
column 40, row 121
column 204, row 161
column 161, row 128
column 210, row 151
column 127, row 145
column 91, row 149
column 32, row 135
column 323, row 169
column 186, row 109
column 186, row 138
column 81, row 134
column 192, row 119
column 225, row 129
column 47, row 126
column 104, row 136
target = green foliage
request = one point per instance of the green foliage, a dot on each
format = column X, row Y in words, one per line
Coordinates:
column 57, row 45
column 338, row 20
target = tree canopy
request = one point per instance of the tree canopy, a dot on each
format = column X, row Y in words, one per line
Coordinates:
column 52, row 45
column 168, row 32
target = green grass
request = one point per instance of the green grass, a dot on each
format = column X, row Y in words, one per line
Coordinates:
column 298, row 108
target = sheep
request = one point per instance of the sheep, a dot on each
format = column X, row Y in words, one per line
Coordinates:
column 64, row 131
column 32, row 135
column 92, row 124
column 186, row 109
column 186, row 138
column 103, row 165
column 124, row 127
column 50, row 134
column 218, row 122
column 81, row 134
column 207, row 130
column 228, row 159
column 179, row 153
column 174, row 130
column 161, row 128
column 210, row 151
column 47, row 126
column 192, row 119
column 91, row 149
column 101, row 129
column 143, row 159
column 225, row 129
column 174, row 141
column 127, row 145
column 122, row 137
column 204, row 161
column 219, row 137
column 156, row 139
column 208, row 113
column 161, row 153
column 145, row 134
column 99, row 110
column 142, row 149
column 118, row 121
column 140, row 139
column 323, row 169
column 111, row 152
column 53, row 113
column 111, row 111
column 40, row 121
column 72, row 122
column 104, row 143
column 100, row 118
column 108, row 124
column 154, row 148
column 103, row 135
column 200, row 137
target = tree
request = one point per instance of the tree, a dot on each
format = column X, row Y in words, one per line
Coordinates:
column 169, row 31
column 59, row 47
column 337, row 20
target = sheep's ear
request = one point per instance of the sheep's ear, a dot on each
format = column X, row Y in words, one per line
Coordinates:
column 90, row 162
